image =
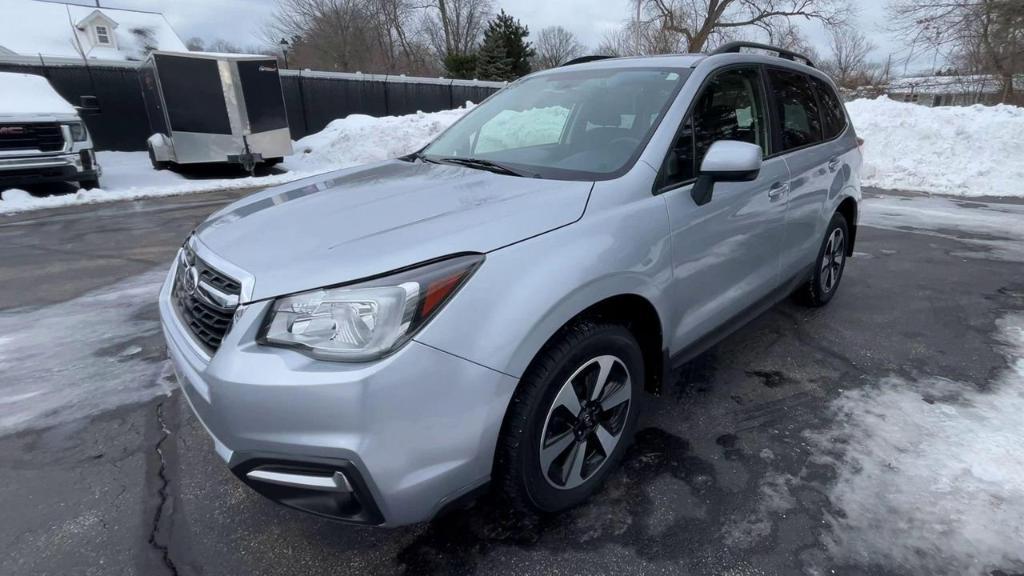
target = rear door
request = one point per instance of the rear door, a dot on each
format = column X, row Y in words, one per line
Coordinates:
column 726, row 252
column 799, row 140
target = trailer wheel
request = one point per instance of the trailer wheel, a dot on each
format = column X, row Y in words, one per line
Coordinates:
column 157, row 164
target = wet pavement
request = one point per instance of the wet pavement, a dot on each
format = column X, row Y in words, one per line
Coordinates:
column 725, row 476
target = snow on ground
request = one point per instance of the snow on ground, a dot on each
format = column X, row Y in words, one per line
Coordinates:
column 110, row 352
column 962, row 151
column 930, row 473
column 996, row 228
column 351, row 141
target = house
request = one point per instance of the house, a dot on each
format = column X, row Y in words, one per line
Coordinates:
column 41, row 28
column 951, row 90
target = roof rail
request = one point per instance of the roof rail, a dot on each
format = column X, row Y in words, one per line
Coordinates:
column 734, row 47
column 585, row 59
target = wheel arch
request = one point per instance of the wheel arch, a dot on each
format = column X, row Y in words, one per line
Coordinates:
column 638, row 315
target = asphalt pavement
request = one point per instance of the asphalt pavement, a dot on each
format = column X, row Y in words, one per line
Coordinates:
column 721, row 479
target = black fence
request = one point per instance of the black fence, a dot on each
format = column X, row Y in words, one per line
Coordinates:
column 313, row 99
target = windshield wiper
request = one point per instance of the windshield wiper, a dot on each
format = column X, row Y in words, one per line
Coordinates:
column 482, row 164
column 418, row 156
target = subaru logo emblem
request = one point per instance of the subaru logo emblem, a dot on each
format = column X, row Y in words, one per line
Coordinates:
column 191, row 279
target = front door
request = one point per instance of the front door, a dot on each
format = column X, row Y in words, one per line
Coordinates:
column 726, row 253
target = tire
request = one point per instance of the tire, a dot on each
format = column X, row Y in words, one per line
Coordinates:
column 269, row 162
column 157, row 164
column 829, row 266
column 574, row 360
column 88, row 184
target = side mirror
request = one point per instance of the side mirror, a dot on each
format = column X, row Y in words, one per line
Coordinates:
column 89, row 105
column 726, row 161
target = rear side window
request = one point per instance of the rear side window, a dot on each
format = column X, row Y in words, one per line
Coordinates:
column 796, row 109
column 832, row 115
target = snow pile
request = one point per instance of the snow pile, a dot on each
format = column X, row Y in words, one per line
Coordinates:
column 931, row 473
column 30, row 94
column 351, row 141
column 360, row 139
column 964, row 151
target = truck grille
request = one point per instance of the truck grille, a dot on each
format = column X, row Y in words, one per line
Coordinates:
column 205, row 299
column 47, row 137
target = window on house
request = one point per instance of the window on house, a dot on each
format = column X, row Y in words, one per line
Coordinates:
column 103, row 35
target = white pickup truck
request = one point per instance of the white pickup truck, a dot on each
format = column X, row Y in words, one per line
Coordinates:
column 42, row 137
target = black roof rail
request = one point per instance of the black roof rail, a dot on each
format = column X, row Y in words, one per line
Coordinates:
column 734, row 47
column 585, row 59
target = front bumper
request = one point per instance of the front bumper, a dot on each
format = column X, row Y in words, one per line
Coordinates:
column 410, row 433
column 69, row 167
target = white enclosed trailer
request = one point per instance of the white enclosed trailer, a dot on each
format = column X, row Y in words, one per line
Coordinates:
column 214, row 108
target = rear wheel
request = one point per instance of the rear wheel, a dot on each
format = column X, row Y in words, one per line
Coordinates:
column 571, row 418
column 829, row 266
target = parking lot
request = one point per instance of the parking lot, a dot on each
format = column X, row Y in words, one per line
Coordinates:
column 739, row 468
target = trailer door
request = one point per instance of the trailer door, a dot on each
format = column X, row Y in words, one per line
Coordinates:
column 261, row 87
column 193, row 94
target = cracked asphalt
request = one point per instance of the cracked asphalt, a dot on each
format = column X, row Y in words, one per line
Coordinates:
column 720, row 479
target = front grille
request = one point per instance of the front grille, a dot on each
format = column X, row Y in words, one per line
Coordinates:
column 207, row 317
column 47, row 137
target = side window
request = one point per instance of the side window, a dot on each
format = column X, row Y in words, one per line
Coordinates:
column 833, row 116
column 796, row 108
column 731, row 107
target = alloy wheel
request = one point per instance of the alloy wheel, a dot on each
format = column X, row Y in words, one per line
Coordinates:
column 586, row 422
column 832, row 260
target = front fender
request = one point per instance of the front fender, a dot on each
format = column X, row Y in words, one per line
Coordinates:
column 524, row 293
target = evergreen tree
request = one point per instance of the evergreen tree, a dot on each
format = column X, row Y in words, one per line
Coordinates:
column 461, row 66
column 505, row 53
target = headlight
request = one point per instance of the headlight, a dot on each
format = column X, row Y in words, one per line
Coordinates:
column 78, row 133
column 368, row 320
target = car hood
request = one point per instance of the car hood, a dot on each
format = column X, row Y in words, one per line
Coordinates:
column 361, row 222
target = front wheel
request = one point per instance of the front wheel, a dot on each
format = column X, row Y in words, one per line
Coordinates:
column 829, row 267
column 88, row 184
column 571, row 419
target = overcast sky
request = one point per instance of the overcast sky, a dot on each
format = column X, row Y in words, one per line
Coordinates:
column 239, row 21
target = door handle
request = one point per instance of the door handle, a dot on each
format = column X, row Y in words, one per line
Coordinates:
column 777, row 190
column 833, row 164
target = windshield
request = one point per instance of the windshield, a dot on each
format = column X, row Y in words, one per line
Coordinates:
column 573, row 125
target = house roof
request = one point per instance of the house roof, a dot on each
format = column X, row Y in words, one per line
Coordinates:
column 49, row 28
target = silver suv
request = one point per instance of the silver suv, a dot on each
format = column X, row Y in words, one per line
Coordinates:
column 379, row 343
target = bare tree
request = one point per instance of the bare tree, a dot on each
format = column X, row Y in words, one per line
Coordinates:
column 635, row 38
column 986, row 34
column 699, row 21
column 454, row 27
column 554, row 46
column 848, row 64
column 349, row 35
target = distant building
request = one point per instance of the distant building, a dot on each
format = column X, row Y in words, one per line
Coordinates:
column 951, row 90
column 36, row 28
